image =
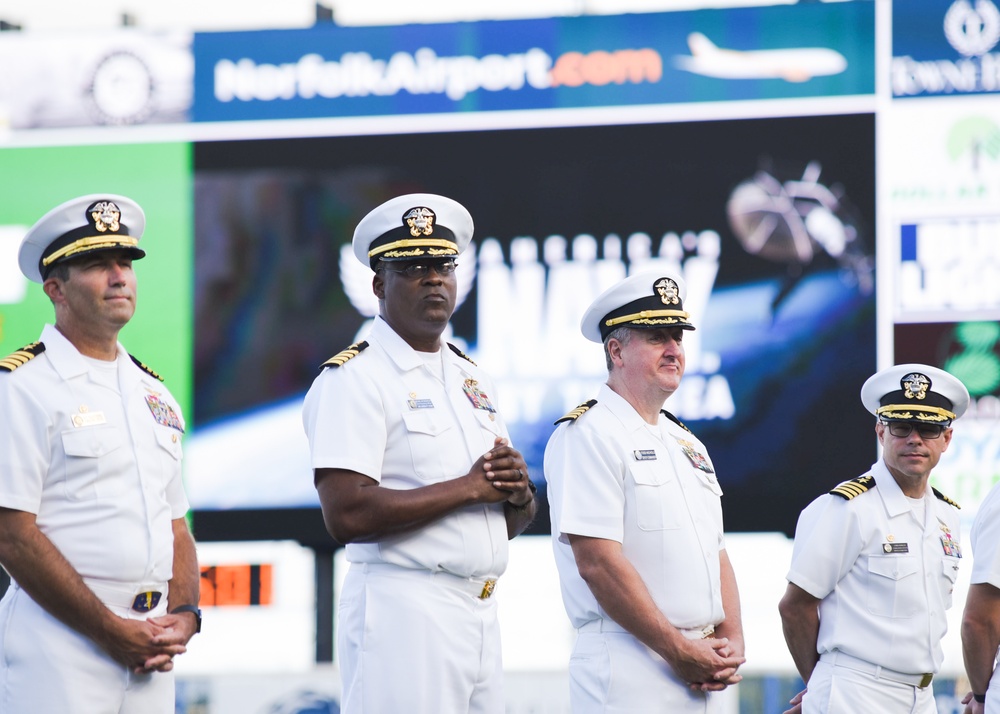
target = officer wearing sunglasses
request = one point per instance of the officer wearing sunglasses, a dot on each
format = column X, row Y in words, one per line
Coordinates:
column 875, row 560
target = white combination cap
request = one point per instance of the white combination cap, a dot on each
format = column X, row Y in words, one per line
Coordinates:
column 88, row 224
column 642, row 301
column 915, row 392
column 413, row 227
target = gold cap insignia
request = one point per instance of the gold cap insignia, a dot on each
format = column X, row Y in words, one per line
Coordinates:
column 420, row 221
column 106, row 216
column 915, row 385
column 668, row 291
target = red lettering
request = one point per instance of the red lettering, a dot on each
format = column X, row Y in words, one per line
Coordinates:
column 598, row 68
column 566, row 72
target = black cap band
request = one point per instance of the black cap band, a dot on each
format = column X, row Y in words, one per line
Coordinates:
column 400, row 244
column 645, row 313
column 98, row 235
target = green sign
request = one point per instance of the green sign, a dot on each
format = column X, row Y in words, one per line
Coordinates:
column 158, row 177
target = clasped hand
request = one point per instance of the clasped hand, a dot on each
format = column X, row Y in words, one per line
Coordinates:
column 504, row 471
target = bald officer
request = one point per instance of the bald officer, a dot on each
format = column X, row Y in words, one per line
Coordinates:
column 875, row 560
column 416, row 474
column 92, row 530
column 637, row 522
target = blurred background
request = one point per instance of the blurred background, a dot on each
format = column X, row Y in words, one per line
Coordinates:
column 825, row 175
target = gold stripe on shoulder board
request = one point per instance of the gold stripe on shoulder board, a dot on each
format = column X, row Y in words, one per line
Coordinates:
column 676, row 421
column 854, row 487
column 343, row 356
column 944, row 498
column 146, row 368
column 461, row 354
column 576, row 413
column 21, row 356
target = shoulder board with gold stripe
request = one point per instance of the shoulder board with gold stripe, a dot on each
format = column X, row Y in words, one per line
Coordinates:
column 148, row 370
column 25, row 354
column 676, row 421
column 576, row 413
column 854, row 487
column 461, row 354
column 341, row 357
column 945, row 498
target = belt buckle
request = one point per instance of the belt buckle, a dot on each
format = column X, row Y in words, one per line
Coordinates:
column 925, row 680
column 144, row 602
column 488, row 587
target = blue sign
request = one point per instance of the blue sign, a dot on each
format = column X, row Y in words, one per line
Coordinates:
column 780, row 52
column 945, row 47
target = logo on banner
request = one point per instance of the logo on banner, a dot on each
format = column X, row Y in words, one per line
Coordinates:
column 359, row 74
column 972, row 31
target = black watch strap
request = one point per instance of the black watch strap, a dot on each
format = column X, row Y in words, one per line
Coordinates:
column 981, row 698
column 189, row 608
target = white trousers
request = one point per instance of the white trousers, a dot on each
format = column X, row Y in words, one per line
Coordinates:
column 834, row 689
column 46, row 666
column 415, row 642
column 614, row 673
column 993, row 694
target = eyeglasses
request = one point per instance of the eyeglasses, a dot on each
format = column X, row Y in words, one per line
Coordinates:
column 420, row 270
column 902, row 429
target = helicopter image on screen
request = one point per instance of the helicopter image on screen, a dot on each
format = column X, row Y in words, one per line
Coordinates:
column 802, row 223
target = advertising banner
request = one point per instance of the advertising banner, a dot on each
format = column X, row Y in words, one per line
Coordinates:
column 945, row 48
column 806, row 50
column 108, row 78
column 942, row 261
column 158, row 177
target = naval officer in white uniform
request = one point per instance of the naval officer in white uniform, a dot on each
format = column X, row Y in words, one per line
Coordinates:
column 875, row 560
column 92, row 507
column 637, row 523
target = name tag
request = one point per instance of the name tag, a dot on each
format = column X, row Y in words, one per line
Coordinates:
column 895, row 547
column 420, row 404
column 644, row 455
column 89, row 419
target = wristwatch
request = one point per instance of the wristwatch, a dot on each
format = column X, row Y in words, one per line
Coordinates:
column 981, row 698
column 192, row 609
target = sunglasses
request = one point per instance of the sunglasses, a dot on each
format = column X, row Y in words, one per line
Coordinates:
column 420, row 270
column 902, row 429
